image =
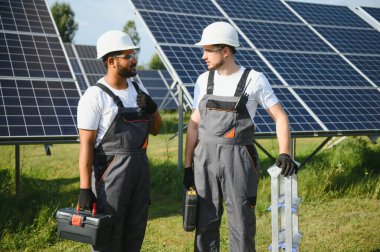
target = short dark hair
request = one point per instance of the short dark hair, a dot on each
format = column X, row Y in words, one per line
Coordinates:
column 232, row 48
column 110, row 54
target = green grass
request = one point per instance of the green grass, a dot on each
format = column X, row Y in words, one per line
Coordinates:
column 340, row 191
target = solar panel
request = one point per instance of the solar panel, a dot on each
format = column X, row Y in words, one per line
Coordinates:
column 267, row 10
column 177, row 29
column 315, row 70
column 193, row 7
column 344, row 109
column 369, row 65
column 76, row 68
column 38, row 94
column 29, row 16
column 319, row 14
column 285, row 49
column 374, row 12
column 349, row 40
column 299, row 119
column 275, row 36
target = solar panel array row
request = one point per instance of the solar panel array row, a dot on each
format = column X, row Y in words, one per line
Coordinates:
column 314, row 70
column 38, row 94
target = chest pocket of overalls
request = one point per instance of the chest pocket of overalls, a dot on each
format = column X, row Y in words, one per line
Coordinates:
column 221, row 117
column 135, row 129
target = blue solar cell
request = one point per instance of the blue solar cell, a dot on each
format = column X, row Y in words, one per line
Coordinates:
column 249, row 58
column 25, row 16
column 365, row 41
column 40, row 61
column 318, row 70
column 300, row 120
column 177, row 29
column 194, row 7
column 93, row 66
column 269, row 10
column 369, row 65
column 295, row 37
column 318, row 14
column 374, row 12
column 86, row 51
column 344, row 109
column 187, row 61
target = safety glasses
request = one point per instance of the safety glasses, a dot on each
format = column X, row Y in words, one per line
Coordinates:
column 126, row 56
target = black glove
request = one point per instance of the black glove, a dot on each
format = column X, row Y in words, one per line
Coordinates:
column 86, row 199
column 144, row 101
column 285, row 162
column 188, row 178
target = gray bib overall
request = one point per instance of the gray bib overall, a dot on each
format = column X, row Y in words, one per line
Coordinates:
column 225, row 166
column 121, row 176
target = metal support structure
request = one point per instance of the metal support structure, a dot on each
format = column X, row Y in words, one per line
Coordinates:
column 314, row 152
column 17, row 166
column 284, row 208
column 264, row 150
column 180, row 127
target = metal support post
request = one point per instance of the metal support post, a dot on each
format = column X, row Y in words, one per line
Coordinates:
column 284, row 208
column 17, row 166
column 180, row 127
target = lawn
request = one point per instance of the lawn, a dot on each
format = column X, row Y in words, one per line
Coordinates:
column 340, row 191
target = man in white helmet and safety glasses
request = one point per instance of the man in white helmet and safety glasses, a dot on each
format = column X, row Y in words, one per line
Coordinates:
column 219, row 143
column 115, row 117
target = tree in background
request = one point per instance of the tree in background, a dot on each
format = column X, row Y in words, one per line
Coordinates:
column 156, row 63
column 130, row 29
column 64, row 19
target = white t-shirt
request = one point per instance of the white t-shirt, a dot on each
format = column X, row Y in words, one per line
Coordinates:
column 96, row 109
column 259, row 90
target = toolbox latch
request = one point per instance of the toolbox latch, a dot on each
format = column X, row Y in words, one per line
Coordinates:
column 77, row 220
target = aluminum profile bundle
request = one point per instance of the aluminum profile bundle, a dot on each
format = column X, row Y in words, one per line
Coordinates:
column 284, row 208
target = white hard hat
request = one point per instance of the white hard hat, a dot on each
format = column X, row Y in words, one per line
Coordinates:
column 219, row 33
column 113, row 41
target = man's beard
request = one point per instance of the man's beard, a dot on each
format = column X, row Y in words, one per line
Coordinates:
column 216, row 66
column 125, row 73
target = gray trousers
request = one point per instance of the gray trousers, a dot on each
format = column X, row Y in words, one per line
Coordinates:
column 228, row 172
column 123, row 192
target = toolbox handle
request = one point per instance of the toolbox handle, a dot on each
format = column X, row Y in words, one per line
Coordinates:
column 93, row 208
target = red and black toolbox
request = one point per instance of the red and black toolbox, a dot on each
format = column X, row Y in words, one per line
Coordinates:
column 84, row 226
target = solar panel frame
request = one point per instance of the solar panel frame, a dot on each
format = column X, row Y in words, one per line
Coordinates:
column 374, row 12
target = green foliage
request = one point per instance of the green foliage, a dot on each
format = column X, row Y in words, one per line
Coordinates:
column 64, row 18
column 339, row 189
column 130, row 29
column 156, row 63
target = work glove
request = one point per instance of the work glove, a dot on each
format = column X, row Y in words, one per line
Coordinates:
column 86, row 199
column 144, row 101
column 188, row 178
column 285, row 162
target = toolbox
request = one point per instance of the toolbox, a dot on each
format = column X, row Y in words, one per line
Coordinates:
column 84, row 226
column 190, row 210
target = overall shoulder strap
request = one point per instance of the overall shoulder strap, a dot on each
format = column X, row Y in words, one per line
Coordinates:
column 138, row 90
column 210, row 82
column 241, row 85
column 115, row 98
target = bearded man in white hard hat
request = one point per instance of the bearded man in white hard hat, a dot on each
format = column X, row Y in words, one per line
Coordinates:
column 219, row 142
column 115, row 117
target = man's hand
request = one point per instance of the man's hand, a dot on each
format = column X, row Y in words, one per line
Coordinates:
column 285, row 162
column 86, row 199
column 188, row 178
column 144, row 101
